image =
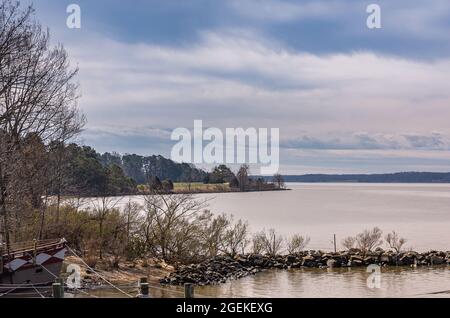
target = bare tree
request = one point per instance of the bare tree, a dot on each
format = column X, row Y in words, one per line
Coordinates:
column 236, row 237
column 395, row 241
column 242, row 177
column 369, row 239
column 269, row 241
column 278, row 180
column 170, row 221
column 258, row 243
column 349, row 242
column 37, row 96
column 103, row 207
column 131, row 212
column 297, row 243
column 214, row 234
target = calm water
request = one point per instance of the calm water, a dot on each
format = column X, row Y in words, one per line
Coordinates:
column 315, row 283
column 419, row 212
column 423, row 282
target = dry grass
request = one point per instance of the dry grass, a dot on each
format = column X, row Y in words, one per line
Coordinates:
column 201, row 187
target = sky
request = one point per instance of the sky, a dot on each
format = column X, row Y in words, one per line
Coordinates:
column 346, row 98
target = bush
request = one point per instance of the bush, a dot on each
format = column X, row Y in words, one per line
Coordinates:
column 297, row 243
column 270, row 242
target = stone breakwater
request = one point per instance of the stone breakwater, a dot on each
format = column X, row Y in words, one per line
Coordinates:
column 219, row 269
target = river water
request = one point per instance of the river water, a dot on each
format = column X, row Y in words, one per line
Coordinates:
column 419, row 212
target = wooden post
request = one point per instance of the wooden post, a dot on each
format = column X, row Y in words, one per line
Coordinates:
column 188, row 290
column 334, row 240
column 144, row 288
column 34, row 252
column 1, row 258
column 60, row 281
column 57, row 291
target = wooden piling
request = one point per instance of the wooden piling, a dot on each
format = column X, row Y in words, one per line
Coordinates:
column 335, row 245
column 57, row 291
column 188, row 290
column 60, row 281
column 34, row 251
column 1, row 259
column 144, row 288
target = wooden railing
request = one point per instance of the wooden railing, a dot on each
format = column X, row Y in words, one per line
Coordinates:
column 32, row 246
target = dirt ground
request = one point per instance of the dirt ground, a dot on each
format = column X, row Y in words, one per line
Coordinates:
column 127, row 273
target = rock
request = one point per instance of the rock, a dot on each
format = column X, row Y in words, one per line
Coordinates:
column 222, row 268
column 309, row 261
column 406, row 260
column 437, row 260
column 340, row 259
column 279, row 265
column 290, row 259
column 258, row 260
column 370, row 260
column 356, row 260
column 331, row 263
column 242, row 260
column 354, row 251
column 386, row 259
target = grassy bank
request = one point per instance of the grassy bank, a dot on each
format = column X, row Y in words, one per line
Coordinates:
column 199, row 187
column 183, row 187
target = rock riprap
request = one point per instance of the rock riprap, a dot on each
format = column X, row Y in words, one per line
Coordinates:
column 219, row 269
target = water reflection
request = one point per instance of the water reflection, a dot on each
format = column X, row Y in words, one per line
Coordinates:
column 344, row 282
column 315, row 283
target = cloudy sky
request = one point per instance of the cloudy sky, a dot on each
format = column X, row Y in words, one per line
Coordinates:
column 347, row 99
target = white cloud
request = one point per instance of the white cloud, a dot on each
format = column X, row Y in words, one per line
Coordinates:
column 229, row 81
column 370, row 141
column 359, row 91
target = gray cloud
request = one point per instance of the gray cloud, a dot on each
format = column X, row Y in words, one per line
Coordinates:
column 368, row 141
column 330, row 108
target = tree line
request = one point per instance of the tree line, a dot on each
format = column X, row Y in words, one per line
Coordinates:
column 242, row 180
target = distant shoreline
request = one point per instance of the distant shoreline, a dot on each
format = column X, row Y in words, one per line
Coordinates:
column 179, row 192
column 400, row 177
column 229, row 191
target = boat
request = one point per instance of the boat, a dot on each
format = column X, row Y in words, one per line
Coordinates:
column 31, row 264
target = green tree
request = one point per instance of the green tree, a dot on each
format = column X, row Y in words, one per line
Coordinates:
column 221, row 174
